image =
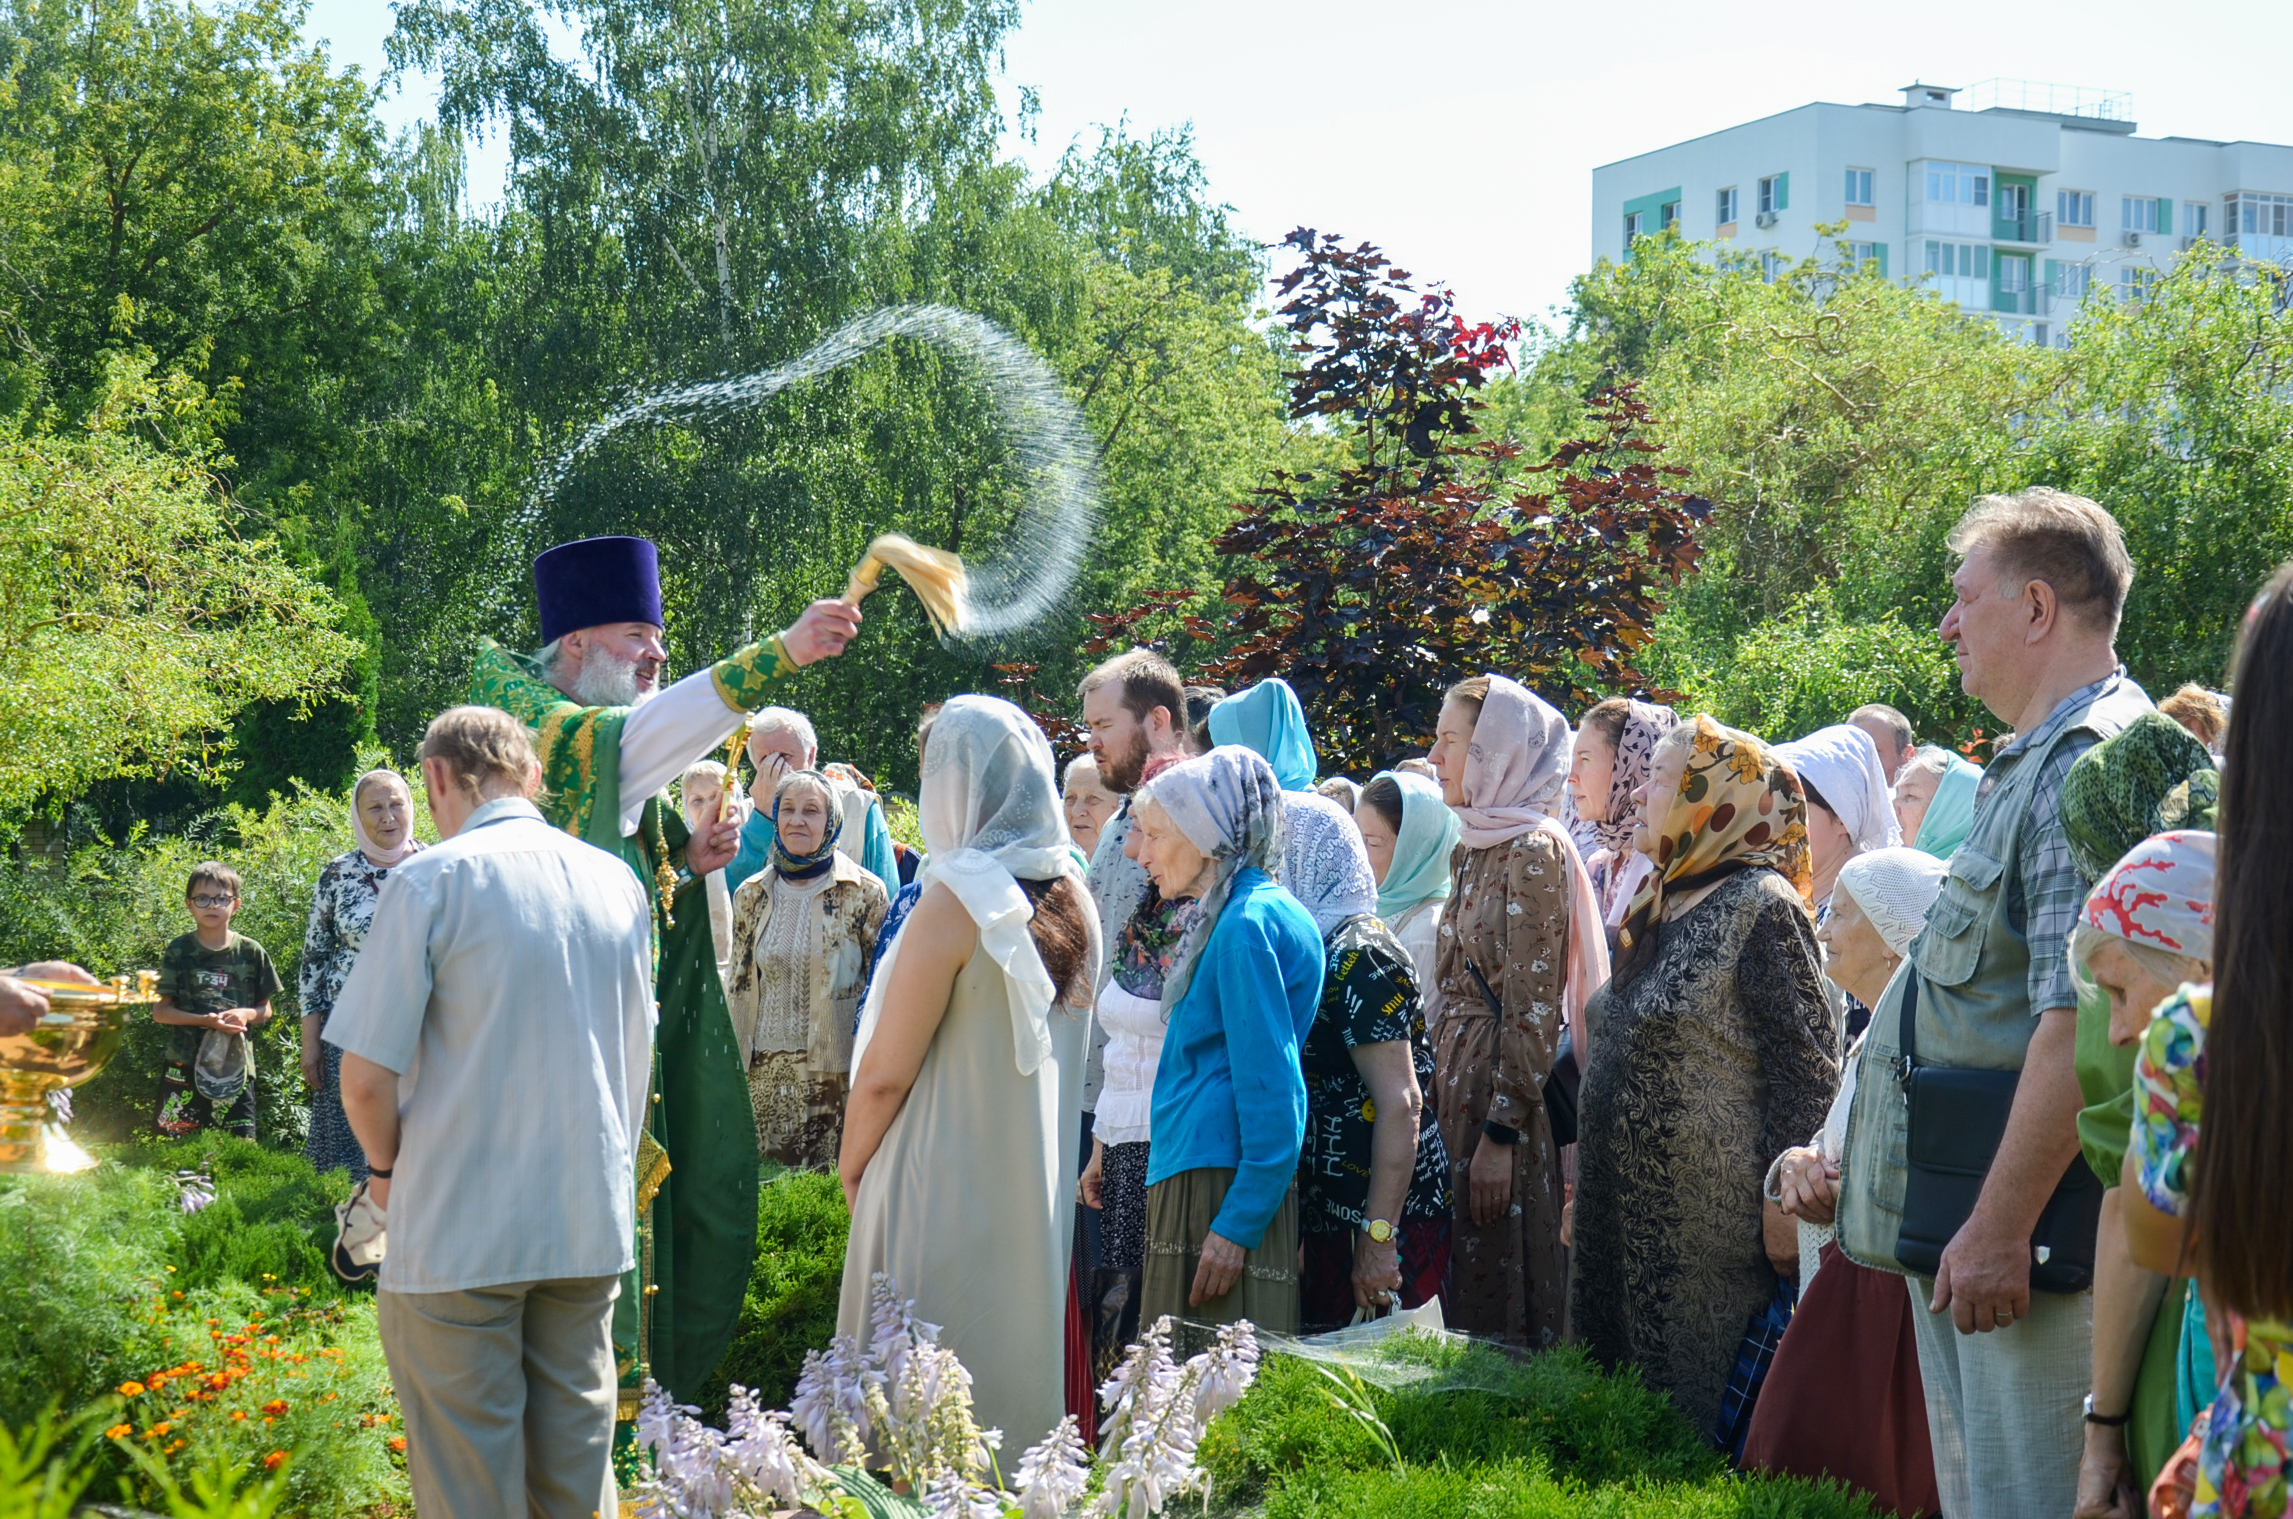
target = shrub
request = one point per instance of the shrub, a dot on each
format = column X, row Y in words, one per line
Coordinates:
column 793, row 1288
column 109, row 1283
column 1472, row 1403
column 1812, row 666
column 1525, row 1490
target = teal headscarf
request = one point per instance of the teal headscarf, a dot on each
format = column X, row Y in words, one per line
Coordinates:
column 1952, row 813
column 1267, row 720
column 1420, row 869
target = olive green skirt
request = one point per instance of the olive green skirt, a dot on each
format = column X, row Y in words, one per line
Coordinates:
column 1180, row 1210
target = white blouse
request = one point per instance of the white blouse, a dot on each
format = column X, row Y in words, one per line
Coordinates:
column 1135, row 1033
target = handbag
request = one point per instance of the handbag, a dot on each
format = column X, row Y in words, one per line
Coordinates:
column 1957, row 1119
column 1560, row 1087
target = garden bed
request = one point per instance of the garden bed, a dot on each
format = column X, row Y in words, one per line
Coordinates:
column 164, row 1343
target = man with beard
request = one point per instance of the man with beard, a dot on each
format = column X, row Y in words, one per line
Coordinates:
column 610, row 739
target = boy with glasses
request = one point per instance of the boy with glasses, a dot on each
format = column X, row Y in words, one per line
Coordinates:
column 214, row 986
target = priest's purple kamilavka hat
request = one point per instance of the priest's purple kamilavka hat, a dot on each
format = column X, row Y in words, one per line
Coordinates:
column 594, row 581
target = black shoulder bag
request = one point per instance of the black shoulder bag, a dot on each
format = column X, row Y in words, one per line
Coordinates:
column 1561, row 1086
column 1957, row 1119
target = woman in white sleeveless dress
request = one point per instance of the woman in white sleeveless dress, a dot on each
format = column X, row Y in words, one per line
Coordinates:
column 967, row 1073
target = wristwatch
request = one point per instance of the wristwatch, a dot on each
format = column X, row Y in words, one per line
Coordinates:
column 2107, row 1421
column 1379, row 1231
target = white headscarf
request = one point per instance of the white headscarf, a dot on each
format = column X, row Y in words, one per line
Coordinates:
column 1895, row 887
column 1325, row 864
column 1228, row 805
column 1842, row 762
column 990, row 814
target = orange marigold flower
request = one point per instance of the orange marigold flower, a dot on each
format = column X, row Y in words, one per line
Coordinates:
column 156, row 1430
column 131, row 1389
column 271, row 1462
column 276, row 1408
column 237, row 1414
column 398, row 1443
column 119, row 1431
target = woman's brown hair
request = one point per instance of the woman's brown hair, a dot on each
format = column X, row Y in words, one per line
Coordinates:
column 1384, row 795
column 1607, row 718
column 1474, row 689
column 2242, row 1192
column 1062, row 935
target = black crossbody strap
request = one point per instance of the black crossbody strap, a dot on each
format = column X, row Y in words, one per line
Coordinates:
column 1483, row 982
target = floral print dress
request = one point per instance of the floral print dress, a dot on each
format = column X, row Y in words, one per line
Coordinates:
column 1508, row 919
column 2243, row 1469
column 342, row 910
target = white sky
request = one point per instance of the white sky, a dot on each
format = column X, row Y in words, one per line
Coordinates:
column 1461, row 134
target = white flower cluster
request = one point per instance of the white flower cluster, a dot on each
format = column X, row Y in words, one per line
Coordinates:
column 195, row 1189
column 1156, row 1412
column 902, row 1405
column 752, row 1466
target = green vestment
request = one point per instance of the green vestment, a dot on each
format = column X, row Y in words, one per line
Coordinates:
column 696, row 1168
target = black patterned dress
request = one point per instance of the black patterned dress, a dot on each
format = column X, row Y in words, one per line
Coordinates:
column 342, row 909
column 1720, row 1055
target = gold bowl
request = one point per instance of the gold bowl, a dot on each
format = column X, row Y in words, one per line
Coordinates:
column 71, row 1042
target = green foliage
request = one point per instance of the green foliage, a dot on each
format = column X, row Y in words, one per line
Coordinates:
column 1478, row 1432
column 134, row 621
column 793, row 1288
column 1522, row 1490
column 112, row 1292
column 2176, row 413
column 113, row 905
column 1811, row 667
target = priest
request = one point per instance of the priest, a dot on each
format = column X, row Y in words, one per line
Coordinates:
column 610, row 739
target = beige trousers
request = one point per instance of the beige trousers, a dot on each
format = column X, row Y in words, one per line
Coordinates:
column 508, row 1395
column 2006, row 1409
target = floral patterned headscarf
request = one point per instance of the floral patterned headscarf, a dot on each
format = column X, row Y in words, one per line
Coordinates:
column 1644, row 724
column 1737, row 807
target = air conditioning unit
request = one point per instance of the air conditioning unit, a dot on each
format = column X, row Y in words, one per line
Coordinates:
column 1764, row 219
column 2133, row 239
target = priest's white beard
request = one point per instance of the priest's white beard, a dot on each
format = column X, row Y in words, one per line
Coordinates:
column 607, row 680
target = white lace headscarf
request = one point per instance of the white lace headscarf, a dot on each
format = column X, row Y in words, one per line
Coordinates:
column 1324, row 863
column 1228, row 805
column 991, row 818
column 1895, row 887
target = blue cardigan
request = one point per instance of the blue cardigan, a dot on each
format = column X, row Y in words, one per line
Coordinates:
column 1229, row 1091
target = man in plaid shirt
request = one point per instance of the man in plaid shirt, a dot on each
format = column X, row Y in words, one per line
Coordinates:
column 2041, row 582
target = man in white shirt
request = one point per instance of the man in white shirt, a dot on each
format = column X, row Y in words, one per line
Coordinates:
column 497, row 1036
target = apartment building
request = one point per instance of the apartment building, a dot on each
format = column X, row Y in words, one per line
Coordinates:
column 2022, row 201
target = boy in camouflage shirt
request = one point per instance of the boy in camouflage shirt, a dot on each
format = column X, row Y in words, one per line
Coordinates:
column 214, row 985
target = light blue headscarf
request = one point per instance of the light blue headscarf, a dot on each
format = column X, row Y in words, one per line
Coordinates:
column 1420, row 869
column 1952, row 813
column 1267, row 719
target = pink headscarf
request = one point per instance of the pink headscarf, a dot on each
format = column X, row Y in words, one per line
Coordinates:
column 1514, row 772
column 380, row 858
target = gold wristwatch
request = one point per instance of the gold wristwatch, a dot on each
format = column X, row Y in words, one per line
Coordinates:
column 1379, row 1231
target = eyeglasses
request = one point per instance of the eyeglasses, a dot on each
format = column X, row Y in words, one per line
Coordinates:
column 212, row 901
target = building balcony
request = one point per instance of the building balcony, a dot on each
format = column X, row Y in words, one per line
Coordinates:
column 2035, row 228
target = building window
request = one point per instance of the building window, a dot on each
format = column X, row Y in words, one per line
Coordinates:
column 1668, row 215
column 2074, row 208
column 2259, row 215
column 2014, row 276
column 2194, row 219
column 1773, row 264
column 1859, row 254
column 1958, row 184
column 1958, row 260
column 1774, row 194
column 1631, row 229
column 1724, row 207
column 1859, row 187
column 2072, row 281
column 2146, row 213
column 2134, row 282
